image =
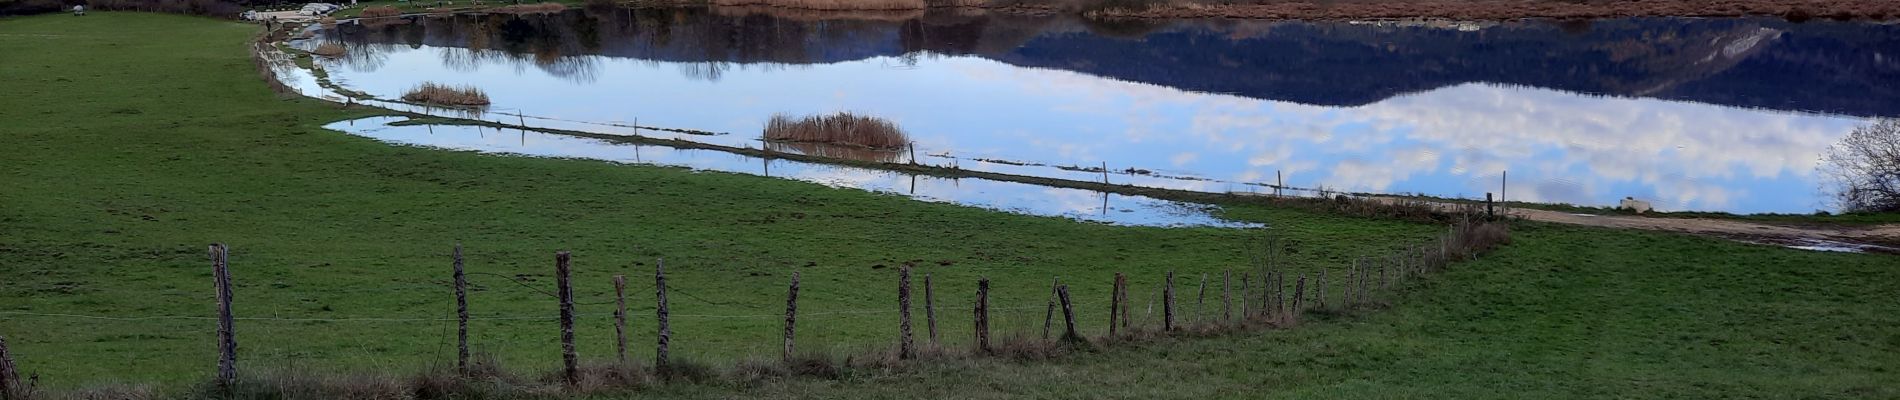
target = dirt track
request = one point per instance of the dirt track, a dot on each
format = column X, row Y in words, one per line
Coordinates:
column 1512, row 9
column 1873, row 238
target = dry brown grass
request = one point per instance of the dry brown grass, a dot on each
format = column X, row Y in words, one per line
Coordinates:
column 840, row 129
column 835, row 151
column 327, row 21
column 329, row 50
column 828, row 4
column 379, row 12
column 537, row 8
column 440, row 94
column 800, row 14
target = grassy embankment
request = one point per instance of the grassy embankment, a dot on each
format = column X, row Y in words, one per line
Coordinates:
column 137, row 139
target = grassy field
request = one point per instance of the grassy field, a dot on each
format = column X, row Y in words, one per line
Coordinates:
column 133, row 140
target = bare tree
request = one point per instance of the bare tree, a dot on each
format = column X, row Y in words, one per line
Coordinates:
column 1863, row 170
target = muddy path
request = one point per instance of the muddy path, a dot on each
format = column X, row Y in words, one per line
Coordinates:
column 1826, row 237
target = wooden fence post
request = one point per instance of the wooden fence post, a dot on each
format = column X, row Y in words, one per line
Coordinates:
column 983, row 314
column 905, row 350
column 661, row 361
column 1049, row 313
column 570, row 362
column 1299, row 295
column 930, row 310
column 791, row 316
column 1320, row 288
column 461, row 315
column 1167, row 304
column 1068, row 314
column 227, row 334
column 1244, row 280
column 620, row 318
column 1279, row 293
column 1226, row 299
column 1123, row 296
column 1200, row 301
column 1115, row 306
column 9, row 377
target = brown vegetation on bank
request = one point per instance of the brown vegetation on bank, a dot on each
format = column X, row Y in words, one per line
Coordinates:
column 440, row 94
column 329, row 50
column 379, row 12
column 842, row 129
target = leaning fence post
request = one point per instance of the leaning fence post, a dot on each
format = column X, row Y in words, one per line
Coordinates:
column 570, row 368
column 9, row 377
column 620, row 318
column 660, row 360
column 983, row 314
column 1200, row 301
column 1167, row 304
column 1124, row 300
column 1068, row 314
column 1049, row 313
column 461, row 315
column 905, row 349
column 791, row 316
column 1279, row 293
column 227, row 334
column 930, row 310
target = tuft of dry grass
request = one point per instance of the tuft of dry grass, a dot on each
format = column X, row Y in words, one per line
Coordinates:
column 537, row 8
column 329, row 50
column 379, row 12
column 828, row 4
column 842, row 129
column 327, row 21
column 441, row 94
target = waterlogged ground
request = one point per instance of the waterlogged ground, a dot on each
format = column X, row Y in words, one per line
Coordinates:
column 1691, row 114
column 999, row 195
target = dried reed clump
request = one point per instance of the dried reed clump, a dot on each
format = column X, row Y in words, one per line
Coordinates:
column 379, row 12
column 841, row 128
column 536, row 8
column 828, row 4
column 838, row 152
column 440, row 94
column 327, row 21
column 329, row 50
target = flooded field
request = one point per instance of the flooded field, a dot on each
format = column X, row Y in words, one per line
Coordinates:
column 1691, row 114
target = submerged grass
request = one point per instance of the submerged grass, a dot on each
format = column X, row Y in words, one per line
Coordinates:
column 828, row 4
column 840, row 129
column 441, row 94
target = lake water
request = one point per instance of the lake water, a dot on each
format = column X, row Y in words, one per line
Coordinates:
column 1691, row 114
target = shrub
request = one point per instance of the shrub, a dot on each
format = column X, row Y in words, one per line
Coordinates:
column 842, row 128
column 440, row 94
column 1863, row 171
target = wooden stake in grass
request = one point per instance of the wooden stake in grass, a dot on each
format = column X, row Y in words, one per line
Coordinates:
column 1167, row 304
column 1320, row 289
column 1115, row 306
column 570, row 362
column 930, row 310
column 660, row 360
column 1049, row 313
column 9, row 377
column 1226, row 299
column 983, row 315
column 1299, row 295
column 905, row 350
column 620, row 318
column 791, row 317
column 1243, row 296
column 1124, row 300
column 227, row 333
column 461, row 315
column 1068, row 314
column 1200, row 301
